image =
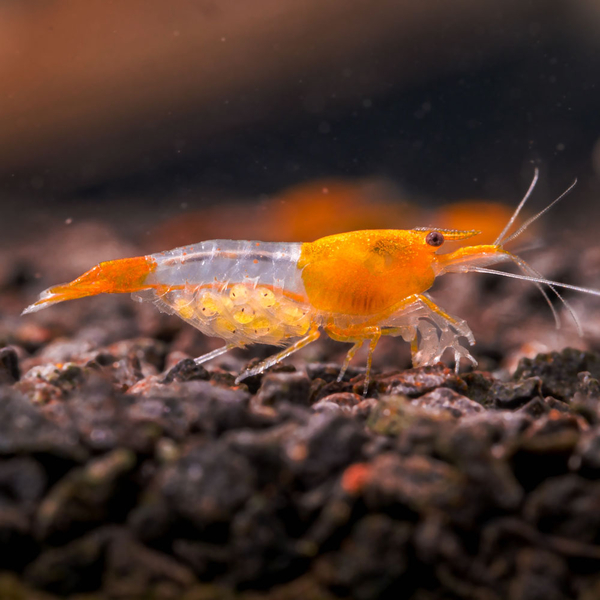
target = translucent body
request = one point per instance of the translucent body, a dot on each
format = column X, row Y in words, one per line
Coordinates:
column 243, row 292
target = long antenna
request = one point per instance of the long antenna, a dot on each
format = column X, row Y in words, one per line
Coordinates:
column 529, row 270
column 499, row 239
column 567, row 286
column 536, row 217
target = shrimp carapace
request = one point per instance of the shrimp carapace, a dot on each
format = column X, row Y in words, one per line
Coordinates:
column 367, row 272
column 354, row 286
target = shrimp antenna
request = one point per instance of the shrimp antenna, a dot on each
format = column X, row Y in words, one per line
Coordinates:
column 499, row 239
column 529, row 273
column 548, row 282
column 536, row 217
column 541, row 280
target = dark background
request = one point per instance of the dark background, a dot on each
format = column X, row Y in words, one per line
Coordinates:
column 134, row 112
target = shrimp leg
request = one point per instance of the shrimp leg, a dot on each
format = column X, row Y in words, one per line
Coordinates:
column 429, row 303
column 215, row 353
column 372, row 343
column 349, row 357
column 450, row 329
column 367, row 333
column 312, row 335
column 429, row 329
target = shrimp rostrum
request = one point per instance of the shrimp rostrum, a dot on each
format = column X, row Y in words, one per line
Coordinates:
column 355, row 287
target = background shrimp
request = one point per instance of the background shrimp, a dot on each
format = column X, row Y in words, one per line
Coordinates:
column 356, row 287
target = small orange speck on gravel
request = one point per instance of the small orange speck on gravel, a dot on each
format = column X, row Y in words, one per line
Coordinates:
column 355, row 477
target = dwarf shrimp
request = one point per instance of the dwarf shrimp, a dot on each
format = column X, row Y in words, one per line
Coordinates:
column 355, row 287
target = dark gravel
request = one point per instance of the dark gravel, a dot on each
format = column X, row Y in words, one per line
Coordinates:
column 187, row 487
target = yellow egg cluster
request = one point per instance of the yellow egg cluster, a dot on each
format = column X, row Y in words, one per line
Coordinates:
column 245, row 313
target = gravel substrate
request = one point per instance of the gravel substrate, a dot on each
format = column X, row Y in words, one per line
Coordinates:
column 180, row 484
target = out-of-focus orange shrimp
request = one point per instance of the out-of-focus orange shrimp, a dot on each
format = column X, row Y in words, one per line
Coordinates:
column 356, row 287
column 485, row 216
column 334, row 206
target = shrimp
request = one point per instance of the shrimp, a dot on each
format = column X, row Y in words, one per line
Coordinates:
column 355, row 287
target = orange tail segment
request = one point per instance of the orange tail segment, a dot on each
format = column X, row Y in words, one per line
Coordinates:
column 111, row 277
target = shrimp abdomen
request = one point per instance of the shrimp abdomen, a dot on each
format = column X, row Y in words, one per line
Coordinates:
column 240, row 313
column 244, row 292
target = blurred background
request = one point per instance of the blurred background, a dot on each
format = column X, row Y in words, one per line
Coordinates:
column 143, row 110
column 133, row 127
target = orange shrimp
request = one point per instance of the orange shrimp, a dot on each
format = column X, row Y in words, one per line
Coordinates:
column 356, row 287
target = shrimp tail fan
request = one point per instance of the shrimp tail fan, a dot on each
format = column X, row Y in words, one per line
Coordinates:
column 111, row 277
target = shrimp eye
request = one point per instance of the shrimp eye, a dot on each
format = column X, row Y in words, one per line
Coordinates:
column 435, row 238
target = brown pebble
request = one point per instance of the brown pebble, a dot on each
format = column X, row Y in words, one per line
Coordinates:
column 448, row 401
column 278, row 387
column 342, row 400
column 186, row 370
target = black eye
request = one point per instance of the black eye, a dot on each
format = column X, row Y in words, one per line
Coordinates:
column 434, row 238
